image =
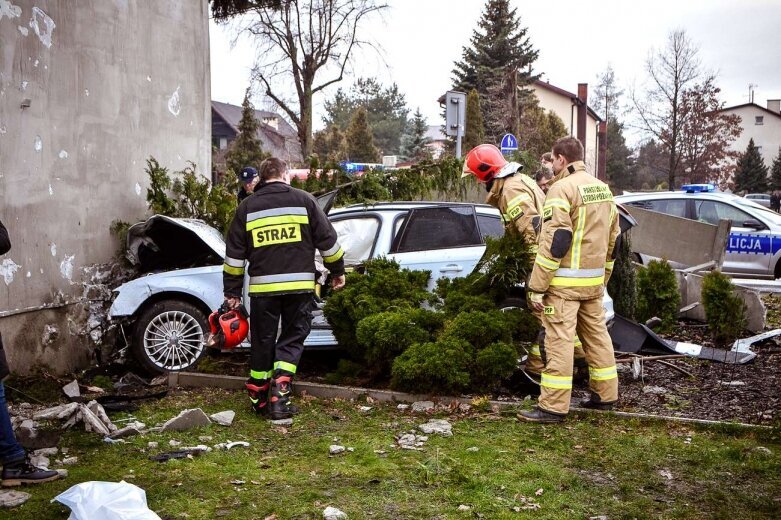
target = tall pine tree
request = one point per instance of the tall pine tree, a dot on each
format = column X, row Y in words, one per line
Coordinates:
column 619, row 165
column 360, row 141
column 475, row 133
column 499, row 48
column 414, row 143
column 245, row 150
column 751, row 173
column 775, row 172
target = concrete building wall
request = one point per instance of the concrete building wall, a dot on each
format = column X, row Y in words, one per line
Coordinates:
column 767, row 135
column 563, row 107
column 88, row 91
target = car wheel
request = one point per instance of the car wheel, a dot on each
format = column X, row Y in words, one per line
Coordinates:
column 512, row 303
column 169, row 336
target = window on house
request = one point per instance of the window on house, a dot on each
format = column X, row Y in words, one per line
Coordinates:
column 759, row 120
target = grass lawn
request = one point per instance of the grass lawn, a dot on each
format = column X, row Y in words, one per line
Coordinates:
column 591, row 465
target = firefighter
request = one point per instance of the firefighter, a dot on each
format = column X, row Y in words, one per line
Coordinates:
column 519, row 200
column 573, row 264
column 276, row 232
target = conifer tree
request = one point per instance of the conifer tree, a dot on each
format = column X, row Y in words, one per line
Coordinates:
column 360, row 142
column 329, row 145
column 619, row 162
column 751, row 173
column 775, row 172
column 475, row 132
column 415, row 140
column 499, row 48
column 245, row 150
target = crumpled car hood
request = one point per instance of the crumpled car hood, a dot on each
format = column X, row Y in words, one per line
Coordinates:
column 162, row 243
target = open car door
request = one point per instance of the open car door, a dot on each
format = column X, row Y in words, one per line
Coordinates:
column 444, row 240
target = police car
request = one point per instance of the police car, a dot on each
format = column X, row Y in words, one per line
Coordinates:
column 754, row 245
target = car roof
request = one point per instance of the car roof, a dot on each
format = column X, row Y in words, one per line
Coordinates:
column 702, row 195
column 408, row 205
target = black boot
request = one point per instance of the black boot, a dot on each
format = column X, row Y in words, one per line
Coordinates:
column 281, row 387
column 591, row 404
column 541, row 416
column 258, row 394
column 22, row 472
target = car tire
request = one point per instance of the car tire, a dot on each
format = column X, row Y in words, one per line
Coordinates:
column 169, row 336
column 511, row 303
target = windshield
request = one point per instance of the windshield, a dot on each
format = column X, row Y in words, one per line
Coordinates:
column 760, row 211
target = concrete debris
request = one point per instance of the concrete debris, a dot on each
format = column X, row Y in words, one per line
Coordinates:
column 159, row 381
column 223, row 418
column 98, row 410
column 637, row 368
column 93, row 423
column 331, row 513
column 10, row 498
column 440, row 426
column 655, row 390
column 70, row 461
column 202, row 448
column 282, row 422
column 40, row 461
column 402, row 407
column 46, row 452
column 464, row 407
column 94, row 390
column 473, row 449
column 62, row 472
column 205, row 438
column 423, row 406
column 733, row 383
column 764, row 450
column 229, row 445
column 187, row 419
column 335, row 449
column 365, row 409
column 57, row 412
column 128, row 431
column 666, row 474
column 152, row 445
column 410, row 441
column 174, row 443
column 72, row 389
column 464, row 507
column 238, row 482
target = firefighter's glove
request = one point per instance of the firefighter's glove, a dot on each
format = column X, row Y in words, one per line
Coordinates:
column 535, row 300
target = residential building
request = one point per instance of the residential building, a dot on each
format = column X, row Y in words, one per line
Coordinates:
column 565, row 105
column 761, row 124
column 89, row 90
column 437, row 141
column 276, row 135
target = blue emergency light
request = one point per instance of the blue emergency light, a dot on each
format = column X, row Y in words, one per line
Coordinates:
column 698, row 188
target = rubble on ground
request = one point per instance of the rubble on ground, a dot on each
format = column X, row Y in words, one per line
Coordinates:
column 11, row 498
column 440, row 426
column 223, row 418
column 186, row 420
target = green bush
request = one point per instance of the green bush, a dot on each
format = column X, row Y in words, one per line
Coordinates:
column 493, row 364
column 725, row 311
column 382, row 288
column 479, row 328
column 385, row 335
column 657, row 294
column 622, row 286
column 439, row 367
column 347, row 372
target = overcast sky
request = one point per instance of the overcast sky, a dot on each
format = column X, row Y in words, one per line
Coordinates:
column 421, row 39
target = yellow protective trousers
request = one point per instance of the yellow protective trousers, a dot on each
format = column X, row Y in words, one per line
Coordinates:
column 562, row 320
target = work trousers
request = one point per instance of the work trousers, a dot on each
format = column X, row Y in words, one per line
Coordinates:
column 10, row 450
column 535, row 360
column 281, row 354
column 563, row 319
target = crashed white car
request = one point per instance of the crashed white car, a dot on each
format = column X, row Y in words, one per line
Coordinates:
column 164, row 313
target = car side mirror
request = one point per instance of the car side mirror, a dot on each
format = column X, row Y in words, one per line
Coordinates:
column 753, row 224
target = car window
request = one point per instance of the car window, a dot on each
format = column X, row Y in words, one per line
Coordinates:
column 438, row 228
column 674, row 207
column 711, row 211
column 490, row 226
column 357, row 237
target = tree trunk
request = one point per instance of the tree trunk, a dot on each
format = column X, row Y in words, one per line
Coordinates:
column 305, row 125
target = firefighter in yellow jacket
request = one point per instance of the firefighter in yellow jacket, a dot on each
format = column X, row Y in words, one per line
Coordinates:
column 520, row 202
column 572, row 267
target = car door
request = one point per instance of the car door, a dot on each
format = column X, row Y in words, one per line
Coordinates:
column 749, row 249
column 444, row 240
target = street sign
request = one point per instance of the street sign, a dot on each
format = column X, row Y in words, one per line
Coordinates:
column 509, row 143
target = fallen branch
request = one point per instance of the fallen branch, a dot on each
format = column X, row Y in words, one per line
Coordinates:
column 675, row 367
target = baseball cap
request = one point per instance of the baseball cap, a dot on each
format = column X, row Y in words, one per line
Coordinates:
column 247, row 174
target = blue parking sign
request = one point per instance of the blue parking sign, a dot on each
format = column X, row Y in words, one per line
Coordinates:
column 509, row 143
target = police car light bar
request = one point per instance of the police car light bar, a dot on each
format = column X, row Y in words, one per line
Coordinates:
column 698, row 188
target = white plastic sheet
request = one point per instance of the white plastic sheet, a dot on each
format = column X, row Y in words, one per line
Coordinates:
column 106, row 501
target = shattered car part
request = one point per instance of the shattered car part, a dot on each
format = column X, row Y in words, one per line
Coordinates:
column 744, row 345
column 635, row 338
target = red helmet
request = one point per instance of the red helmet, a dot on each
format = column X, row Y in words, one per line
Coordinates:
column 228, row 328
column 483, row 161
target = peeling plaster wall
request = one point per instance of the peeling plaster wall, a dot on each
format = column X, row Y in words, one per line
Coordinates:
column 108, row 83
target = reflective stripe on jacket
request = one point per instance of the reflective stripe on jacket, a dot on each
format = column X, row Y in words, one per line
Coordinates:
column 580, row 207
column 275, row 232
